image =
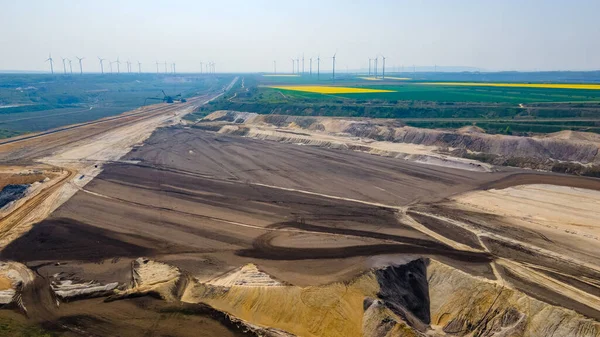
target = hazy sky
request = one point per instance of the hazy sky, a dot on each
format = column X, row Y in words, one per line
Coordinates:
column 247, row 35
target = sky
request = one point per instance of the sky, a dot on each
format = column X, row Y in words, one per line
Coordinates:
column 248, row 35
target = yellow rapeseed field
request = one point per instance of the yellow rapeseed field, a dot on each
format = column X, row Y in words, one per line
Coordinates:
column 522, row 85
column 398, row 78
column 329, row 90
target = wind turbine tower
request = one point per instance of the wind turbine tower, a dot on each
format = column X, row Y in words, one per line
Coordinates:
column 293, row 66
column 370, row 66
column 64, row 65
column 310, row 69
column 318, row 67
column 333, row 71
column 383, row 69
column 49, row 59
column 51, row 66
column 118, row 65
column 80, row 66
column 101, row 64
column 376, row 59
column 70, row 66
column 139, row 67
column 173, row 68
column 157, row 66
column 302, row 63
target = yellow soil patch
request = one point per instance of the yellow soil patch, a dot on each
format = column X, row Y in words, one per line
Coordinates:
column 329, row 90
column 5, row 283
column 522, row 85
column 370, row 78
column 282, row 75
column 334, row 310
column 398, row 78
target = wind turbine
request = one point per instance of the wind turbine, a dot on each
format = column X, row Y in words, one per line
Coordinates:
column 298, row 65
column 318, row 67
column 383, row 69
column 50, row 59
column 173, row 68
column 129, row 66
column 118, row 65
column 375, row 69
column 302, row 63
column 64, row 65
column 70, row 66
column 101, row 65
column 80, row 66
column 293, row 66
column 110, row 65
column 333, row 72
column 370, row 66
column 310, row 67
column 139, row 67
column 157, row 67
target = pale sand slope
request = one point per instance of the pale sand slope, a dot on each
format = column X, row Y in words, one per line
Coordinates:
column 559, row 210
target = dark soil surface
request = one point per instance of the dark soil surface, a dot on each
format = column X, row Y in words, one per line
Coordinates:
column 208, row 203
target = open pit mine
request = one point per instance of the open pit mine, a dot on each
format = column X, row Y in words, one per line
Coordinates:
column 240, row 224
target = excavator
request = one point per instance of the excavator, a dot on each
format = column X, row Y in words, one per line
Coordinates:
column 167, row 98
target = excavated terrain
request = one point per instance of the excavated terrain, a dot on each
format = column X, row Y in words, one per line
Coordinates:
column 198, row 232
column 566, row 151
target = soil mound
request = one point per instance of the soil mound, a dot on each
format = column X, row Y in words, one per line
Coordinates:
column 470, row 129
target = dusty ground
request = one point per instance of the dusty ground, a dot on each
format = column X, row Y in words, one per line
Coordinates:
column 209, row 203
column 579, row 151
column 73, row 156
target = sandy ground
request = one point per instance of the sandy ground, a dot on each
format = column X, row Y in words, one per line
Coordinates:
column 238, row 211
column 545, row 236
column 209, row 203
column 414, row 152
column 372, row 178
column 77, row 156
column 569, row 212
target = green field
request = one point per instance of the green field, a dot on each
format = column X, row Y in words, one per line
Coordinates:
column 517, row 110
column 30, row 102
column 419, row 92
